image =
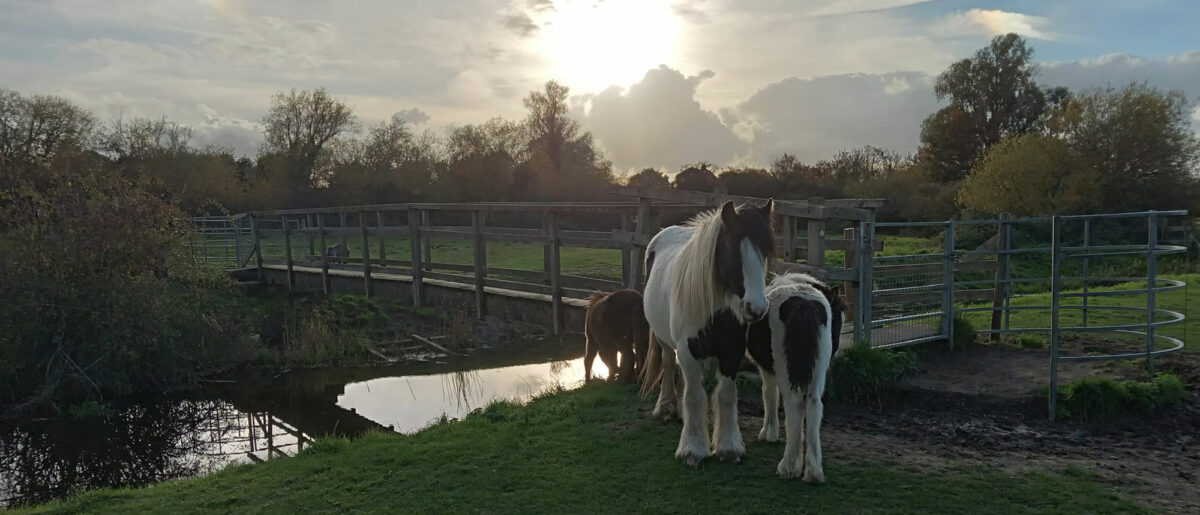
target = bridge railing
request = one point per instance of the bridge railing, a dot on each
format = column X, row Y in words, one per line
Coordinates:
column 406, row 238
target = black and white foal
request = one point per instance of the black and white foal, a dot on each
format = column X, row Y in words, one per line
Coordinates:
column 793, row 348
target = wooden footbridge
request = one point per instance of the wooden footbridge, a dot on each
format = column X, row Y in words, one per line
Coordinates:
column 285, row 247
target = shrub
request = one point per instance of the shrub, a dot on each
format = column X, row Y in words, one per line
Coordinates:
column 1031, row 341
column 861, row 372
column 1098, row 399
column 964, row 331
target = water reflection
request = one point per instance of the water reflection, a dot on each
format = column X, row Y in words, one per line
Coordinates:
column 409, row 403
column 257, row 419
column 141, row 444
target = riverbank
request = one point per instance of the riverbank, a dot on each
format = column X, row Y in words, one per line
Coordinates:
column 594, row 450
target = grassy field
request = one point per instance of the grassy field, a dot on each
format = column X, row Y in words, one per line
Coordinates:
column 586, row 451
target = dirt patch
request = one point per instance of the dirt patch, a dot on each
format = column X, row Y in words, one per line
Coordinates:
column 977, row 406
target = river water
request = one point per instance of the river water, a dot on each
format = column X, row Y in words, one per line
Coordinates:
column 156, row 439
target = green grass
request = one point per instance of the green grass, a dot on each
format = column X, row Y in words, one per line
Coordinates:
column 1099, row 399
column 587, row 451
column 861, row 372
column 1185, row 301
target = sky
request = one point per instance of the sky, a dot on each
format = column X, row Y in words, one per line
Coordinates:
column 658, row 83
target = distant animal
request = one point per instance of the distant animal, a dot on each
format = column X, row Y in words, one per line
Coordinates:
column 339, row 252
column 706, row 280
column 793, row 347
column 616, row 323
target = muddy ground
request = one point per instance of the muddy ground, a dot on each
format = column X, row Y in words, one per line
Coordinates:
column 978, row 407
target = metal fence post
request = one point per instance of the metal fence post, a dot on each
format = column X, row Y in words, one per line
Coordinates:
column 1151, row 283
column 553, row 266
column 1055, row 287
column 1008, row 285
column 1087, row 230
column 237, row 240
column 862, row 257
column 948, row 283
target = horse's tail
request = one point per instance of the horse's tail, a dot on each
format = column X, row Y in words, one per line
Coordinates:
column 595, row 297
column 651, row 373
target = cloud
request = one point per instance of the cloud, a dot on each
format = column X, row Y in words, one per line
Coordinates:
column 690, row 13
column 411, row 115
column 841, row 7
column 520, row 23
column 814, row 118
column 996, row 22
column 658, row 122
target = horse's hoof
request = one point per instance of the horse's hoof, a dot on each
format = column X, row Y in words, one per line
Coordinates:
column 786, row 470
column 816, row 478
column 666, row 412
column 765, row 435
column 693, row 460
column 729, row 455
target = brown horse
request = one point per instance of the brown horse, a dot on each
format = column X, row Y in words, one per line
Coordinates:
column 616, row 322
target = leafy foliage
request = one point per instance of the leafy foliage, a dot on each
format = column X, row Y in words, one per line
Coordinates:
column 861, row 372
column 1099, row 399
column 1031, row 174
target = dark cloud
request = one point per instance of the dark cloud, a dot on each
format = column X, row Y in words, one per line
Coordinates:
column 658, row 122
column 520, row 23
column 411, row 115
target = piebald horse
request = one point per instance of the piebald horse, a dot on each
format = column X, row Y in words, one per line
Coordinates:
column 705, row 278
column 793, row 347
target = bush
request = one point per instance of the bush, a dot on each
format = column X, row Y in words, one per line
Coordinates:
column 1031, row 341
column 1099, row 399
column 99, row 298
column 964, row 331
column 861, row 372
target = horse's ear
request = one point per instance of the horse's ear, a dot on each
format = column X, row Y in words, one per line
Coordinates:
column 768, row 209
column 837, row 291
column 728, row 213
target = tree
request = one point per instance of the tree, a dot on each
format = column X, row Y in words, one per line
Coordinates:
column 482, row 161
column 798, row 180
column 34, row 129
column 139, row 138
column 390, row 165
column 298, row 126
column 1139, row 140
column 648, row 178
column 749, row 182
column 992, row 95
column 696, row 177
column 550, row 130
column 1031, row 174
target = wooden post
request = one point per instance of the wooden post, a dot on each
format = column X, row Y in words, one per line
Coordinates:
column 427, row 243
column 382, row 238
column 1001, row 284
column 414, row 243
column 789, row 239
column 342, row 218
column 849, row 262
column 366, row 254
column 480, row 263
column 308, row 225
column 816, row 236
column 287, row 252
column 553, row 267
column 257, row 246
column 626, row 256
column 639, row 253
column 324, row 254
column 237, row 241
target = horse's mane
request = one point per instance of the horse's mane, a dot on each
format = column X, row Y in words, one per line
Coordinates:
column 695, row 291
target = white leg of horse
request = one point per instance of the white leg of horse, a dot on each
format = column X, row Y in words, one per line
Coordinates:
column 793, row 411
column 693, row 441
column 813, row 408
column 727, row 436
column 665, row 407
column 770, row 393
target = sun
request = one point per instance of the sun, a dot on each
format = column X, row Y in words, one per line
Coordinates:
column 594, row 44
